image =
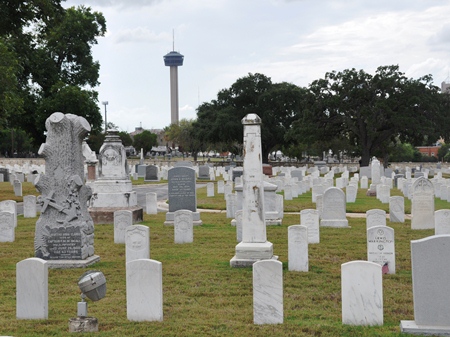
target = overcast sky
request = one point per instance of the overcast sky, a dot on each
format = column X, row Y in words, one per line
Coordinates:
column 295, row 41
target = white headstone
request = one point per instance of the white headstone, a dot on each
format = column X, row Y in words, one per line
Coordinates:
column 32, row 289
column 9, row 206
column 137, row 243
column 268, row 292
column 7, row 229
column 122, row 219
column 381, row 247
column 333, row 212
column 210, row 189
column 239, row 225
column 17, row 188
column 230, row 201
column 144, row 290
column 183, row 226
column 298, row 248
column 375, row 217
column 29, row 206
column 431, row 286
column 364, row 182
column 397, row 209
column 422, row 207
column 220, row 186
column 442, row 222
column 351, row 191
column 151, row 203
column 310, row 219
column 362, row 293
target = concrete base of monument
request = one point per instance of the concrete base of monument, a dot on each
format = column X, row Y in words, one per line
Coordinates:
column 412, row 328
column 83, row 324
column 195, row 223
column 248, row 253
column 70, row 264
column 105, row 215
column 269, row 222
column 334, row 223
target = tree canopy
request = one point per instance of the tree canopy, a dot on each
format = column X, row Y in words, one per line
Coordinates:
column 47, row 64
column 277, row 104
column 371, row 111
column 145, row 140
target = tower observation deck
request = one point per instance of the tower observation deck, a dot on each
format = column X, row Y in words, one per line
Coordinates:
column 173, row 60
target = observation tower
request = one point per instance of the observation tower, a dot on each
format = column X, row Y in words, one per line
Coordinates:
column 173, row 60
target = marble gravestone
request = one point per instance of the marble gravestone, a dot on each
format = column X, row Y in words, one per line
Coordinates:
column 422, row 206
column 442, row 222
column 431, row 289
column 362, row 293
column 397, row 209
column 381, row 247
column 64, row 230
column 310, row 219
column 333, row 208
column 7, row 229
column 112, row 190
column 144, row 290
column 9, row 206
column 151, row 173
column 29, row 206
column 32, row 289
column 298, row 248
column 183, row 226
column 254, row 245
column 182, row 194
column 268, row 292
column 375, row 217
column 122, row 219
column 137, row 243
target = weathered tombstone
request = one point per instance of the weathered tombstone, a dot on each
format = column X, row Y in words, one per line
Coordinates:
column 333, row 212
column 375, row 217
column 254, row 245
column 151, row 203
column 5, row 173
column 298, row 248
column 397, row 209
column 351, row 191
column 151, row 173
column 431, row 288
column 310, row 219
column 381, row 247
column 362, row 293
column 268, row 292
column 317, row 189
column 203, row 172
column 64, row 230
column 210, row 189
column 220, row 186
column 17, row 188
column 442, row 222
column 122, row 219
column 32, row 289
column 29, row 206
column 7, row 229
column 319, row 205
column 144, row 290
column 137, row 243
column 230, row 201
column 113, row 191
column 375, row 170
column 422, row 207
column 364, row 182
column 383, row 193
column 182, row 193
column 9, row 206
column 183, row 226
column 2, row 178
column 297, row 174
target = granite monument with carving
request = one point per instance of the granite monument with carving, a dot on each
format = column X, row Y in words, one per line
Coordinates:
column 64, row 230
column 112, row 190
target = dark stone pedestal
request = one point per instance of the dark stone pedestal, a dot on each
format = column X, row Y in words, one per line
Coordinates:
column 105, row 215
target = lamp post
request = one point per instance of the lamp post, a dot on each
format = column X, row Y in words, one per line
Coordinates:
column 105, row 103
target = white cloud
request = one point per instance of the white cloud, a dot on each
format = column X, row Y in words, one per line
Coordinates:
column 140, row 34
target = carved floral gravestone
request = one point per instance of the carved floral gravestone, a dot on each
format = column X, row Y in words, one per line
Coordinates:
column 64, row 230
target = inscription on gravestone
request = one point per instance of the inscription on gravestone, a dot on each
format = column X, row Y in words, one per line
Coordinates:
column 182, row 193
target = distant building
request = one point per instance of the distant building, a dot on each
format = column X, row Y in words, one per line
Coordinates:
column 158, row 132
column 430, row 151
column 445, row 86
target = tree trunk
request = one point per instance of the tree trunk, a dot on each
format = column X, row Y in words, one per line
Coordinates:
column 365, row 158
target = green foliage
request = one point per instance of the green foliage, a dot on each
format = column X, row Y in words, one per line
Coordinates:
column 125, row 138
column 443, row 151
column 403, row 152
column 95, row 141
column 16, row 142
column 370, row 111
column 182, row 134
column 145, row 140
column 277, row 104
column 49, row 62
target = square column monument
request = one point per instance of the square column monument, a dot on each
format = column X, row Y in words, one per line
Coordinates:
column 254, row 245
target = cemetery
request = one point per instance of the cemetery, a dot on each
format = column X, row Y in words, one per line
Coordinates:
column 331, row 267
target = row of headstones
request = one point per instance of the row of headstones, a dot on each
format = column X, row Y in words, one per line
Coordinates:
column 8, row 216
column 144, row 290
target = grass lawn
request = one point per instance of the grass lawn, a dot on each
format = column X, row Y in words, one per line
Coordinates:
column 203, row 295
